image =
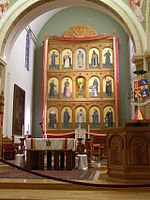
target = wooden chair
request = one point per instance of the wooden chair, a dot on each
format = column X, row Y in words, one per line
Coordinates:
column 96, row 152
column 8, row 149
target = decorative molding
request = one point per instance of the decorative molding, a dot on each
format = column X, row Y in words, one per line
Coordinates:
column 138, row 60
column 2, row 62
column 139, row 46
column 80, row 31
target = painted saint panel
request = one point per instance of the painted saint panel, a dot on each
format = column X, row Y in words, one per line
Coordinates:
column 52, row 117
column 94, row 117
column 94, row 87
column 80, row 87
column 53, row 59
column 4, row 5
column 108, row 87
column 137, row 6
column 107, row 58
column 80, row 58
column 67, row 87
column 94, row 58
column 53, row 88
column 66, row 117
column 80, row 119
column 67, row 59
column 108, row 116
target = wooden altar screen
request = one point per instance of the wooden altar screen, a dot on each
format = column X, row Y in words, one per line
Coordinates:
column 80, row 81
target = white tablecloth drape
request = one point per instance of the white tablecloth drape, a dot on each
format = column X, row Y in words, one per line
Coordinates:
column 50, row 144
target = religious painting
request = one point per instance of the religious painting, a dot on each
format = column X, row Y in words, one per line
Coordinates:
column 52, row 117
column 94, row 117
column 108, row 117
column 53, row 88
column 4, row 5
column 80, row 58
column 94, row 87
column 80, row 87
column 137, row 6
column 66, row 117
column 80, row 120
column 67, row 59
column 27, row 50
column 108, row 87
column 66, row 87
column 53, row 59
column 94, row 58
column 107, row 58
column 18, row 111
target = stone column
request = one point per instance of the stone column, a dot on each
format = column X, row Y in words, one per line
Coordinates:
column 138, row 60
column 1, row 120
column 148, row 25
column 147, row 52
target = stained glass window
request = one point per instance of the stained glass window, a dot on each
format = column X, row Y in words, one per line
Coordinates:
column 27, row 47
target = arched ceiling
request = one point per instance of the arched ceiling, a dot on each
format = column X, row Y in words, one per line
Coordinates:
column 37, row 12
column 37, row 24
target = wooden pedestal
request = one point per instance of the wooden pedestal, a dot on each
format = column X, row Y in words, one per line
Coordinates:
column 129, row 152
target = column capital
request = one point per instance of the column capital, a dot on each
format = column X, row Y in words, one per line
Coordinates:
column 2, row 62
column 147, row 55
column 138, row 59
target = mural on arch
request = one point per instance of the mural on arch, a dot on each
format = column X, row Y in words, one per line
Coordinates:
column 139, row 9
column 4, row 5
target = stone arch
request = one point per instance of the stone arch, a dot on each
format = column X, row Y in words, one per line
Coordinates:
column 14, row 22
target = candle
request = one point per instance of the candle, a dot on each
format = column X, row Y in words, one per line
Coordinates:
column 88, row 130
column 22, row 129
column 28, row 128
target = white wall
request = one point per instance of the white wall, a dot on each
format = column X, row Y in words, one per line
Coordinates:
column 17, row 74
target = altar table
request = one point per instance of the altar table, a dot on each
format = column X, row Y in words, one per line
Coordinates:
column 60, row 153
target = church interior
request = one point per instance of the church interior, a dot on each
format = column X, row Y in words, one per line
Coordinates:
column 74, row 99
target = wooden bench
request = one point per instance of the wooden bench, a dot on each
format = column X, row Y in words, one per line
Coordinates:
column 8, row 149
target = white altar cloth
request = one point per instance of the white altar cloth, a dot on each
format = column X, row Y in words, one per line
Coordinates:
column 50, row 144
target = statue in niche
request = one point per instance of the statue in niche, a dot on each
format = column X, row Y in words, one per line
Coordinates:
column 53, row 57
column 95, row 118
column 66, row 118
column 108, row 88
column 52, row 90
column 66, row 92
column 80, row 118
column 107, row 56
column 52, row 119
column 67, row 60
column 94, row 88
column 94, row 59
column 80, row 59
column 80, row 86
column 109, row 119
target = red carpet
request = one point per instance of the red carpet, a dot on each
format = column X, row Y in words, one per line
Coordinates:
column 9, row 172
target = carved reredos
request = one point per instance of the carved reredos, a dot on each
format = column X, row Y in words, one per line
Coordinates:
column 80, row 31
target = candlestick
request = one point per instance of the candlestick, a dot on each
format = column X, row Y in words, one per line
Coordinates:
column 22, row 129
column 88, row 130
